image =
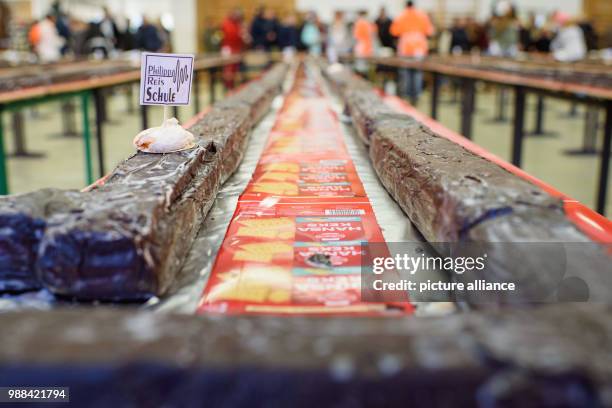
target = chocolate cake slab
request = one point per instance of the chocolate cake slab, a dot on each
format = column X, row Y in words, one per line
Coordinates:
column 130, row 238
column 22, row 224
column 228, row 127
column 444, row 188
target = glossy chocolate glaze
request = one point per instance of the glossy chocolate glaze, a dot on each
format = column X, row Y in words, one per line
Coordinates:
column 127, row 239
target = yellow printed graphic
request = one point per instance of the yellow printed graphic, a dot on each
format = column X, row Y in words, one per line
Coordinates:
column 288, row 167
column 280, row 176
column 262, row 252
column 253, row 284
column 273, row 228
column 280, row 188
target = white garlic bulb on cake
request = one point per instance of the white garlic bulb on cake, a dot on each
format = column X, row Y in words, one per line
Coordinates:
column 167, row 138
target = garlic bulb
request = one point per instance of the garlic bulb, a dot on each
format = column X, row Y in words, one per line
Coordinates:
column 167, row 138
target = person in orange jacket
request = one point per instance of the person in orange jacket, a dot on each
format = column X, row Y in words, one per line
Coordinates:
column 412, row 28
column 364, row 33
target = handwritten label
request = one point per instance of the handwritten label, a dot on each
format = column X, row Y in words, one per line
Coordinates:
column 165, row 79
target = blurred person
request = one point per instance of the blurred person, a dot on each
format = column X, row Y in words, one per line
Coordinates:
column 164, row 36
column 213, row 36
column 127, row 40
column 49, row 43
column 62, row 24
column 542, row 34
column 233, row 43
column 590, row 34
column 108, row 28
column 289, row 36
column 383, row 25
column 412, row 27
column 364, row 33
column 526, row 31
column 504, row 31
column 79, row 30
column 569, row 44
column 147, row 36
column 311, row 35
column 477, row 34
column 264, row 29
column 460, row 42
column 5, row 20
column 102, row 35
column 338, row 38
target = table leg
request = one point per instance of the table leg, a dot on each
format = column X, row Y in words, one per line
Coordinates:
column 519, row 125
column 467, row 107
column 3, row 170
column 539, row 120
column 604, row 167
column 87, row 137
column 19, row 140
column 590, row 131
column 69, row 119
column 502, row 101
column 99, row 106
column 435, row 95
column 18, row 136
column 144, row 116
column 212, row 78
column 130, row 98
column 196, row 93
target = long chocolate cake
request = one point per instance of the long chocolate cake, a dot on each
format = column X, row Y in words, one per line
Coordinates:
column 127, row 239
column 455, row 196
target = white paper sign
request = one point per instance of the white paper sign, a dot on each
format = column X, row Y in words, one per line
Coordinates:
column 165, row 79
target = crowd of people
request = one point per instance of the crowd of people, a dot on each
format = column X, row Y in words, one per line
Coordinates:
column 58, row 34
column 412, row 34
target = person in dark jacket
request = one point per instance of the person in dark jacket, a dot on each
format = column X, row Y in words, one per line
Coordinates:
column 289, row 33
column 264, row 29
column 383, row 22
column 460, row 41
column 147, row 37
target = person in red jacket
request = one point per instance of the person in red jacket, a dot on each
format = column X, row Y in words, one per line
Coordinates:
column 233, row 43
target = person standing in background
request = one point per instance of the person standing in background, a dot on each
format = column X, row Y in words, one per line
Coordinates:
column 569, row 44
column 504, row 31
column 412, row 27
column 460, row 42
column 339, row 42
column 147, row 36
column 289, row 36
column 311, row 34
column 233, row 43
column 62, row 25
column 264, row 29
column 364, row 33
column 5, row 19
column 383, row 25
column 50, row 43
column 108, row 28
